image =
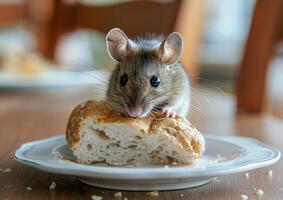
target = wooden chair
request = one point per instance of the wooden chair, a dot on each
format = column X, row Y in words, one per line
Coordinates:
column 264, row 33
column 50, row 20
column 36, row 15
column 134, row 17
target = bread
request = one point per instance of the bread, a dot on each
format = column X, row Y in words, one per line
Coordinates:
column 97, row 133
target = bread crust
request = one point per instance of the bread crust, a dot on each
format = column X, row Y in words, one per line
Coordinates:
column 178, row 129
column 100, row 112
column 87, row 109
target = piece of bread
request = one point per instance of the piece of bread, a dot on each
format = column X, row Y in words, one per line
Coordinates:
column 97, row 133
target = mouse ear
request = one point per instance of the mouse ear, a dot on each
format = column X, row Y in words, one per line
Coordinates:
column 170, row 49
column 118, row 44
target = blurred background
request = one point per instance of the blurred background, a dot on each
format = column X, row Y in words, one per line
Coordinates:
column 233, row 49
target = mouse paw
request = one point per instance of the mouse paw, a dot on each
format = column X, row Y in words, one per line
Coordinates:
column 168, row 112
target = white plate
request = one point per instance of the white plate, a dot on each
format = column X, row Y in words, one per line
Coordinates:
column 223, row 155
column 49, row 79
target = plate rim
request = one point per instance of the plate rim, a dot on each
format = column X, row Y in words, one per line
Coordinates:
column 146, row 173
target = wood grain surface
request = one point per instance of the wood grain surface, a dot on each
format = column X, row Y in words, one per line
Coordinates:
column 27, row 116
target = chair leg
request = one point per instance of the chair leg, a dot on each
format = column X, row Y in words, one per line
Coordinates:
column 189, row 23
column 38, row 15
column 60, row 25
column 49, row 29
column 250, row 86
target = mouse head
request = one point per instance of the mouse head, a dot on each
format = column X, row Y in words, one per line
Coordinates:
column 143, row 78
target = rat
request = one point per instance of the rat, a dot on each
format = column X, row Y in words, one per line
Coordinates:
column 148, row 76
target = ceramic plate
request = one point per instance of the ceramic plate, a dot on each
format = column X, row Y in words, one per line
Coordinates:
column 49, row 79
column 224, row 155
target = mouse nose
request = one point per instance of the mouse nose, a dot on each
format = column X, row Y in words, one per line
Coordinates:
column 135, row 111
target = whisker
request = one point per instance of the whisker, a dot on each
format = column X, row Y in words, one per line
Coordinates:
column 158, row 94
column 202, row 95
column 198, row 109
column 211, row 85
column 86, row 73
column 195, row 100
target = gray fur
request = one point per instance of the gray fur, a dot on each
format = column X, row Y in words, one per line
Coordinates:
column 140, row 64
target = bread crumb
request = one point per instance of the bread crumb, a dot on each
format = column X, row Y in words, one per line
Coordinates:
column 52, row 186
column 95, row 197
column 182, row 195
column 244, row 197
column 247, row 175
column 270, row 173
column 216, row 160
column 166, row 166
column 259, row 192
column 58, row 155
column 29, row 188
column 7, row 170
column 153, row 193
column 118, row 194
column 125, row 198
column 254, row 189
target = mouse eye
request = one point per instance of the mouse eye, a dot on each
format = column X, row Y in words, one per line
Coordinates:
column 154, row 81
column 123, row 79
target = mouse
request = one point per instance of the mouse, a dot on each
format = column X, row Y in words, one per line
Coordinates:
column 148, row 76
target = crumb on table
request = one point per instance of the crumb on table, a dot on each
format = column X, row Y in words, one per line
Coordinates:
column 259, row 192
column 244, row 197
column 52, row 186
column 7, row 170
column 270, row 173
column 247, row 175
column 95, row 197
column 153, row 193
column 28, row 188
column 118, row 194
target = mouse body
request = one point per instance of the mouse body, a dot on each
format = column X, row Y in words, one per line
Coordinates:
column 148, row 76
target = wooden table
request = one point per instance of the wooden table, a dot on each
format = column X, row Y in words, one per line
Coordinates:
column 26, row 116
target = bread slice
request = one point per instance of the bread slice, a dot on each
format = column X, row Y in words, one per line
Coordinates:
column 97, row 133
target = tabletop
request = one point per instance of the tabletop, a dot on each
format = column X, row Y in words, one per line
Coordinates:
column 27, row 116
